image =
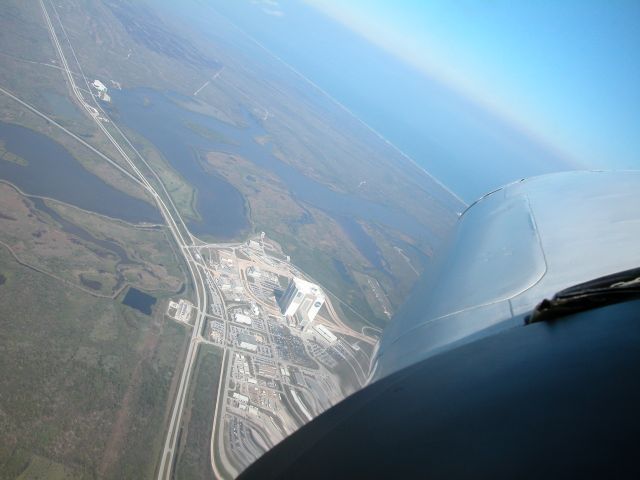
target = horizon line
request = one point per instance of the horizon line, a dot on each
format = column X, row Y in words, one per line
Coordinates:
column 411, row 160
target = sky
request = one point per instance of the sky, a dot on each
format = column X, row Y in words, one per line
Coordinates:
column 568, row 72
column 479, row 93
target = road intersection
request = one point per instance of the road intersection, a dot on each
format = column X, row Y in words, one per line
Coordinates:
column 276, row 385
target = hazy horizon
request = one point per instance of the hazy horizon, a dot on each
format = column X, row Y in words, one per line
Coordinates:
column 434, row 122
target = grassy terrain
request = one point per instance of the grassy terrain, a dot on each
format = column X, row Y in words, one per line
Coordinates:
column 40, row 242
column 159, row 266
column 83, row 382
column 208, row 133
column 9, row 156
column 309, row 236
column 150, row 47
column 182, row 193
column 34, row 76
column 194, row 460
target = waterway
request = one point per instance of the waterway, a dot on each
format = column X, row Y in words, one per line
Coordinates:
column 219, row 204
column 53, row 172
column 79, row 232
column 161, row 119
column 105, row 247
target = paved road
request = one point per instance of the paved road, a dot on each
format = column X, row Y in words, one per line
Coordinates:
column 170, row 213
column 135, row 167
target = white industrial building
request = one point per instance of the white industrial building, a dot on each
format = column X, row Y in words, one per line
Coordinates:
column 325, row 333
column 240, row 397
column 98, row 85
column 241, row 318
column 249, row 346
column 301, row 301
column 254, row 272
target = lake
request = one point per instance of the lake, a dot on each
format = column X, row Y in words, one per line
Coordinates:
column 219, row 204
column 53, row 172
column 160, row 119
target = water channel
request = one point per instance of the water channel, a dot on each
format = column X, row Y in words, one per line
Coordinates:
column 51, row 171
column 161, row 119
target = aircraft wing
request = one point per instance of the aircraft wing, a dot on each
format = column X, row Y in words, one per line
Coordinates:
column 510, row 249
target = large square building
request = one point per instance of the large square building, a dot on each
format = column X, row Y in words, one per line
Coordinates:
column 301, row 300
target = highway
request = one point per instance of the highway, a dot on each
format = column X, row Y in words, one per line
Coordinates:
column 281, row 390
column 134, row 166
column 170, row 213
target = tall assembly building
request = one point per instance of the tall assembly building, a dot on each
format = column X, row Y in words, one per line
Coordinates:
column 301, row 301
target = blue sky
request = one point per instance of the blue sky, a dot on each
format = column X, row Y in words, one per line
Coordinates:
column 479, row 93
column 567, row 72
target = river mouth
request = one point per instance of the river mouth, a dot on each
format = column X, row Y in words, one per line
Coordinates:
column 49, row 170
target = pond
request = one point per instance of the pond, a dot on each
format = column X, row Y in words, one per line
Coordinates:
column 141, row 301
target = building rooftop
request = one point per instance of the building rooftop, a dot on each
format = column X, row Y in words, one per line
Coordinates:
column 307, row 288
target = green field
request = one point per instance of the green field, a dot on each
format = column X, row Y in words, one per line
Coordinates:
column 131, row 255
column 9, row 156
column 84, row 381
column 194, row 460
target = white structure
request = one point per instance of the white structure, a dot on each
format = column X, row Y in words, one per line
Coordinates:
column 241, row 318
column 249, row 346
column 325, row 333
column 302, row 300
column 240, row 397
column 98, row 85
column 182, row 310
column 254, row 272
column 511, row 249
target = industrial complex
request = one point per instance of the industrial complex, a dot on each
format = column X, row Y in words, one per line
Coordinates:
column 288, row 353
column 301, row 302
